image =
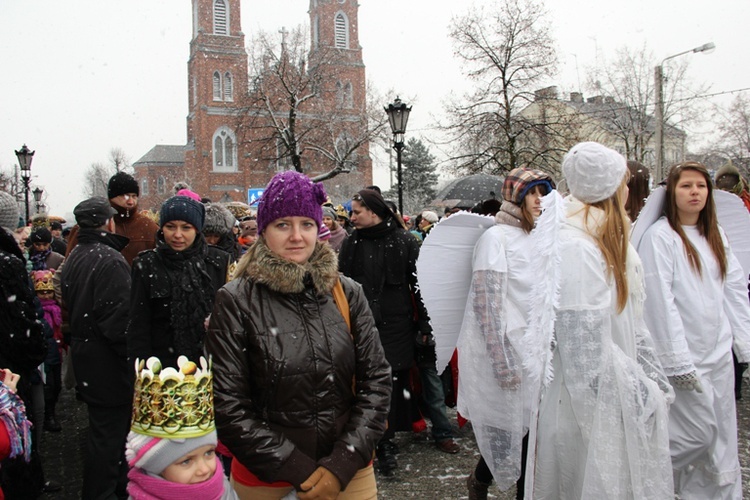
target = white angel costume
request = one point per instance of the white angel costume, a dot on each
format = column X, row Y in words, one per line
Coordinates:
column 695, row 320
column 494, row 391
column 602, row 426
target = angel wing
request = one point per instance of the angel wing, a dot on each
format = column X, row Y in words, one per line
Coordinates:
column 444, row 276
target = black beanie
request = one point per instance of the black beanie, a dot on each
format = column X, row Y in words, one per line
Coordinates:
column 184, row 209
column 122, row 183
column 41, row 235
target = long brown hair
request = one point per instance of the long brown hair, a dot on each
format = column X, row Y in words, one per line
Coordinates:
column 708, row 225
column 638, row 184
column 612, row 238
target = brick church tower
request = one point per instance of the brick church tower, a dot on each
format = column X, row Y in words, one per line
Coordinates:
column 221, row 162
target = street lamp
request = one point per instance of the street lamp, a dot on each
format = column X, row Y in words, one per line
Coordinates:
column 398, row 116
column 38, row 197
column 659, row 88
column 25, row 155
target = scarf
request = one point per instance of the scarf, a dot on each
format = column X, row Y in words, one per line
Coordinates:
column 53, row 316
column 192, row 293
column 144, row 486
column 509, row 214
column 13, row 416
column 39, row 260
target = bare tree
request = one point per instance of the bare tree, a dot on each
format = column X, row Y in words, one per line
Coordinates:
column 295, row 110
column 507, row 51
column 733, row 133
column 625, row 85
column 96, row 179
column 119, row 160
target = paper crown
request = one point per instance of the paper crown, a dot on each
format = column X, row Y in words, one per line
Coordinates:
column 43, row 280
column 170, row 403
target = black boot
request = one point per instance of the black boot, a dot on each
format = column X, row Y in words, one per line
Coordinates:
column 477, row 489
column 51, row 424
column 386, row 454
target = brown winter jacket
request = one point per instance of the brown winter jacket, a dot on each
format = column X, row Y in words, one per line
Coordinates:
column 136, row 227
column 283, row 364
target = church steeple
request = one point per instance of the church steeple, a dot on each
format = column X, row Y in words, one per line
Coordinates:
column 333, row 24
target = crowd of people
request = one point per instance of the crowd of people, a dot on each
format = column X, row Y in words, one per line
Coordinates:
column 275, row 352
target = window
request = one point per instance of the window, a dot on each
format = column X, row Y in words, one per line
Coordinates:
column 161, row 185
column 225, row 150
column 217, row 86
column 344, row 98
column 144, row 187
column 316, row 32
column 221, row 17
column 341, row 31
column 348, row 98
column 228, row 87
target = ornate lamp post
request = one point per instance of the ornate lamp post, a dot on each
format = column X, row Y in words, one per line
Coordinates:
column 398, row 116
column 38, row 198
column 25, row 155
column 659, row 98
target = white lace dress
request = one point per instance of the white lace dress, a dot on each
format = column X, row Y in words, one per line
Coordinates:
column 602, row 427
column 495, row 392
column 695, row 321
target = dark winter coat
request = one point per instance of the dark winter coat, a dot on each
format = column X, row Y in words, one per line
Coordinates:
column 284, row 362
column 151, row 330
column 95, row 290
column 132, row 224
column 383, row 259
column 22, row 342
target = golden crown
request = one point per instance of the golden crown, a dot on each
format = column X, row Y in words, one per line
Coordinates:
column 43, row 280
column 170, row 403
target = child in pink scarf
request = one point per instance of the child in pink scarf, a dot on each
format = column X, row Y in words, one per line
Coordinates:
column 174, row 469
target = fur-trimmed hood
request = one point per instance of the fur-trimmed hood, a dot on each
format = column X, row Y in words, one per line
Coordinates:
column 261, row 265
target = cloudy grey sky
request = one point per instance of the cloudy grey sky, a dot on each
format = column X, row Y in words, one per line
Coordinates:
column 82, row 76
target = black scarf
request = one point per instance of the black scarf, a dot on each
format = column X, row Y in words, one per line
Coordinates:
column 385, row 260
column 39, row 260
column 192, row 293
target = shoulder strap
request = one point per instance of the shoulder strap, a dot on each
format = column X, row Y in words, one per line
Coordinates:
column 339, row 297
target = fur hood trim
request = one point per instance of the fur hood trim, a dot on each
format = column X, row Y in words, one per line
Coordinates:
column 284, row 276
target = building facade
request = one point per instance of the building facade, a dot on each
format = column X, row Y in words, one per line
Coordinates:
column 229, row 128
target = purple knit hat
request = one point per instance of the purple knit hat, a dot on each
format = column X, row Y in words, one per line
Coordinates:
column 290, row 194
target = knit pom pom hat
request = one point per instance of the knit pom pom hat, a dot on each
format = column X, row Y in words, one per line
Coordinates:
column 184, row 209
column 290, row 194
column 154, row 454
column 593, row 172
column 219, row 220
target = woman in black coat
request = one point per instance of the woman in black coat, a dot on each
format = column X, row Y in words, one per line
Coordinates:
column 174, row 285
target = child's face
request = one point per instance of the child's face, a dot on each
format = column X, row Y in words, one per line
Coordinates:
column 197, row 466
column 45, row 294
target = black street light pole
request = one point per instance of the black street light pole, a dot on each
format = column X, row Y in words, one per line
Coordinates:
column 398, row 116
column 38, row 198
column 25, row 155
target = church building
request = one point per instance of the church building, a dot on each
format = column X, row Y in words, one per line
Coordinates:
column 235, row 136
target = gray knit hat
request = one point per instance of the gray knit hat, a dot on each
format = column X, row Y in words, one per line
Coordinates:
column 219, row 220
column 154, row 454
column 8, row 212
column 330, row 212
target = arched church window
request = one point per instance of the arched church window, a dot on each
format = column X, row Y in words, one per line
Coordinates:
column 348, row 97
column 228, row 87
column 225, row 150
column 341, row 31
column 144, row 187
column 161, row 184
column 221, row 17
column 217, row 86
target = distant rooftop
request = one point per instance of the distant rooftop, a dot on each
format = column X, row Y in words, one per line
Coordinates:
column 163, row 154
